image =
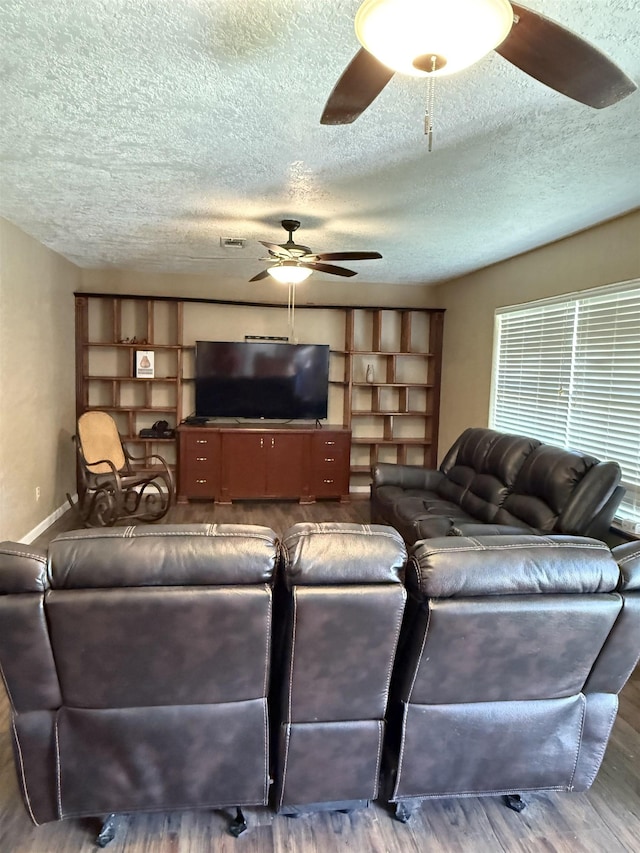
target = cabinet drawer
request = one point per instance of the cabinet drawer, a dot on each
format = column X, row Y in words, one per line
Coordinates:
column 331, row 448
column 199, row 475
column 329, row 484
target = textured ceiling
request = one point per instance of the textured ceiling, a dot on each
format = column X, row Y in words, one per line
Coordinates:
column 137, row 134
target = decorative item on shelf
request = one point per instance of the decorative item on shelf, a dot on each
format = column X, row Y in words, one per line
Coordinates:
column 160, row 429
column 144, row 364
column 369, row 374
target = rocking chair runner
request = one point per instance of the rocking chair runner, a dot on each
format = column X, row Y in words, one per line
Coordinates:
column 110, row 489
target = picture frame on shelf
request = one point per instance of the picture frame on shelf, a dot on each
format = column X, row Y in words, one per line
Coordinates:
column 144, row 364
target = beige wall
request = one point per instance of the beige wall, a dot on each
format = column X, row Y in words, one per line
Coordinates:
column 605, row 254
column 37, row 384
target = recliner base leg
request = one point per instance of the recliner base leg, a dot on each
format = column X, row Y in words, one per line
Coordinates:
column 405, row 809
column 108, row 831
column 514, row 802
column 239, row 824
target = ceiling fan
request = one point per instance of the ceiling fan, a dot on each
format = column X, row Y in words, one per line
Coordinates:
column 437, row 37
column 294, row 263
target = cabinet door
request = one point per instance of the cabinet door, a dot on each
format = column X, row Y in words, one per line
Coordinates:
column 285, row 454
column 244, row 465
column 199, row 470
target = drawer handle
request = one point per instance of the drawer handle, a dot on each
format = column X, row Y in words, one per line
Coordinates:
column 329, row 459
column 327, row 481
column 201, row 440
column 329, row 442
column 201, row 458
column 201, row 481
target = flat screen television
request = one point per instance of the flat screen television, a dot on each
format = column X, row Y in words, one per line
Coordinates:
column 261, row 379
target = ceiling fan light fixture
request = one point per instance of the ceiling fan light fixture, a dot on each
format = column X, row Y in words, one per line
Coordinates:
column 288, row 272
column 460, row 32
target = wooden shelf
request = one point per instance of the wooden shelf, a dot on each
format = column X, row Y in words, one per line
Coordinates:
column 359, row 413
column 165, row 409
column 95, row 378
column 407, row 442
column 404, row 345
column 140, row 345
column 391, row 385
column 404, row 349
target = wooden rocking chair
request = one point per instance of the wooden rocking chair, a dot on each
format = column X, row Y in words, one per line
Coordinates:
column 110, row 488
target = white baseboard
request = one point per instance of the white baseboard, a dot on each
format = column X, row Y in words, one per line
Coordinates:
column 47, row 522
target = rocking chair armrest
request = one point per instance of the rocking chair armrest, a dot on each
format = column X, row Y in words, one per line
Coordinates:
column 148, row 457
column 114, row 471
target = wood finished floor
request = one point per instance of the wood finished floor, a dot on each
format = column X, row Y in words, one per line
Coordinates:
column 606, row 818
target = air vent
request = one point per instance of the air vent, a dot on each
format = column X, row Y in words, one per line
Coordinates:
column 233, row 242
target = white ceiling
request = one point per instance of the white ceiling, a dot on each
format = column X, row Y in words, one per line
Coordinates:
column 137, row 134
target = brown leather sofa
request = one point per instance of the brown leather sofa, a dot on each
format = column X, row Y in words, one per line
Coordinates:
column 344, row 604
column 512, row 654
column 490, row 483
column 136, row 660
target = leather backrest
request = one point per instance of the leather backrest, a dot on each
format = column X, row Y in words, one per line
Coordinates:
column 138, row 667
column 506, row 618
column 171, row 615
column 483, row 470
column 559, row 490
column 347, row 601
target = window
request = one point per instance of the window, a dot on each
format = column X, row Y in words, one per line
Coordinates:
column 567, row 370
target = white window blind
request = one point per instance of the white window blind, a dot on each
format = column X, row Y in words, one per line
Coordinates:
column 568, row 372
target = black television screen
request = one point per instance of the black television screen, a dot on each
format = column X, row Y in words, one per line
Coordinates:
column 261, row 379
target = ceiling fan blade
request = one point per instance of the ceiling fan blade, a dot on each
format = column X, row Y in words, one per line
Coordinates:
column 260, row 276
column 348, row 256
column 563, row 60
column 360, row 84
column 329, row 268
column 277, row 250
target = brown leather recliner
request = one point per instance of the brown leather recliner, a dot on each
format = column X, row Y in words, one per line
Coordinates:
column 345, row 602
column 512, row 654
column 137, row 665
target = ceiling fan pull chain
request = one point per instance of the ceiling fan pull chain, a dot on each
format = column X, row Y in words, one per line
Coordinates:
column 431, row 92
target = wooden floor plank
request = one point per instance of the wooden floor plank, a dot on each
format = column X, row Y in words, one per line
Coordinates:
column 606, row 818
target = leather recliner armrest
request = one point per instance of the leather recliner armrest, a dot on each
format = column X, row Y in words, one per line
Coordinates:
column 628, row 558
column 406, row 476
column 23, row 568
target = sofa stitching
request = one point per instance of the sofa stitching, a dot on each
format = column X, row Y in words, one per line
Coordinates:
column 266, row 750
column 394, row 646
column 475, row 793
column 603, row 746
column 39, row 557
column 418, row 662
column 376, row 778
column 583, row 702
column 555, row 545
column 287, row 739
column 401, row 753
column 293, row 652
column 58, row 770
column 186, row 533
column 22, row 773
column 268, row 643
column 628, row 557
